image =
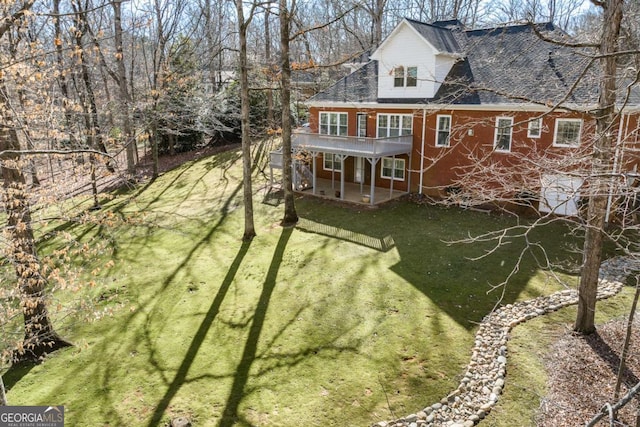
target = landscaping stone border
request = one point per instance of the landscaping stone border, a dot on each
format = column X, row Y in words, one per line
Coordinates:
column 482, row 384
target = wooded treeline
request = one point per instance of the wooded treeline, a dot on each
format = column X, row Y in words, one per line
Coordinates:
column 109, row 75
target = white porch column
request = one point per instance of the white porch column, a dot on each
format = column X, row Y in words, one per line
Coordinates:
column 409, row 170
column 373, row 162
column 295, row 179
column 424, row 127
column 314, row 156
column 393, row 174
column 342, row 158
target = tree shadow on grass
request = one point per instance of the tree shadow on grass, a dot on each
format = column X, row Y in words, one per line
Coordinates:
column 15, row 373
column 230, row 413
column 181, row 374
column 442, row 271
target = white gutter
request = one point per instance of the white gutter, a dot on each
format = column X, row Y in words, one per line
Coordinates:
column 618, row 152
column 528, row 107
column 424, row 126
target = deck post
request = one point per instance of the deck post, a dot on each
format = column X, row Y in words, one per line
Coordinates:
column 373, row 162
column 314, row 155
column 333, row 170
column 270, row 175
column 342, row 159
column 295, row 179
column 409, row 173
column 393, row 174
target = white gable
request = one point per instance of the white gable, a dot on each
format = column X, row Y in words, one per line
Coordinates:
column 407, row 48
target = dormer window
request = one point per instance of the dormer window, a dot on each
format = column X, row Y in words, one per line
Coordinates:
column 405, row 76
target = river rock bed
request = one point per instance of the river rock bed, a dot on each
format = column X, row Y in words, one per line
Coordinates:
column 482, row 384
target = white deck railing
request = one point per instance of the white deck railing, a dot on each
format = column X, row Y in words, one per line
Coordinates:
column 352, row 144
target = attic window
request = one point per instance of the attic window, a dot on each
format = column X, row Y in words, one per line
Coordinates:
column 412, row 76
column 398, row 77
column 405, row 77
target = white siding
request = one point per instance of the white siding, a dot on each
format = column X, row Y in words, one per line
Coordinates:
column 443, row 66
column 406, row 48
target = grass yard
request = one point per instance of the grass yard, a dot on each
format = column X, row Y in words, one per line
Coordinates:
column 353, row 317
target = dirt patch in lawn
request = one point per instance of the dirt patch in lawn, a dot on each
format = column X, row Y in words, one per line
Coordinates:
column 582, row 376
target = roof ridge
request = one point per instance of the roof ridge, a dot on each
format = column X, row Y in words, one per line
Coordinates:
column 430, row 24
column 513, row 26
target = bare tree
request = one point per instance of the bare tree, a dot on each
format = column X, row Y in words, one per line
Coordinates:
column 603, row 149
column 249, row 228
column 560, row 12
column 39, row 334
column 123, row 86
column 285, row 10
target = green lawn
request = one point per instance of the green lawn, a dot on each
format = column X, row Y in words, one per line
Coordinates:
column 352, row 317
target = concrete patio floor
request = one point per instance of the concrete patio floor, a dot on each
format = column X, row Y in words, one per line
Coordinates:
column 352, row 192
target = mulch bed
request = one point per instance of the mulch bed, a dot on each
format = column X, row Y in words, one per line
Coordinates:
column 582, row 377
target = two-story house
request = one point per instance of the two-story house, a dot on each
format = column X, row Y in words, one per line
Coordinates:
column 438, row 108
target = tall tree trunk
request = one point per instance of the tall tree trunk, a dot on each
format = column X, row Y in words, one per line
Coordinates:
column 89, row 102
column 39, row 335
column 22, row 97
column 62, row 77
column 249, row 229
column 95, row 134
column 290, row 216
column 158, row 83
column 130, row 142
column 267, row 57
column 601, row 166
column 378, row 8
column 154, row 140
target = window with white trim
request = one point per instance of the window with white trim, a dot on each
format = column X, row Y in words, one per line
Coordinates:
column 443, row 130
column 504, row 133
column 332, row 162
column 333, row 123
column 392, row 167
column 398, row 77
column 567, row 132
column 534, row 129
column 394, row 125
column 361, row 122
column 412, row 76
column 405, row 76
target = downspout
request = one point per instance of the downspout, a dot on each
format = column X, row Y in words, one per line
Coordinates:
column 424, row 126
column 615, row 167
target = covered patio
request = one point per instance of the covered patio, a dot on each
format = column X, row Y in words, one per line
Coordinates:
column 352, row 193
column 342, row 147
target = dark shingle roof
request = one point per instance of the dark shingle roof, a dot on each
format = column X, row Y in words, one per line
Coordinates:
column 441, row 38
column 502, row 65
column 513, row 64
column 359, row 86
